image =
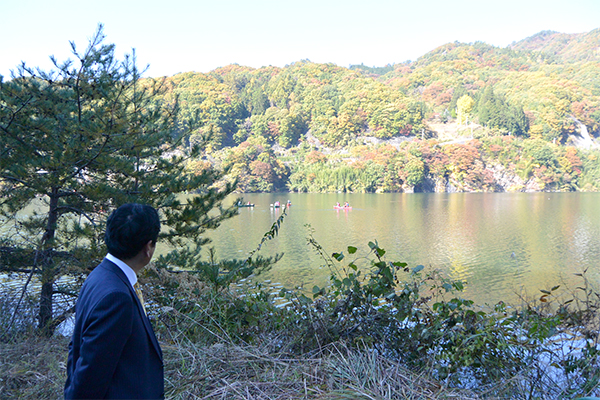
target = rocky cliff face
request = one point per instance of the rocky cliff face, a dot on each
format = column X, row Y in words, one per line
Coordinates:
column 509, row 181
column 504, row 181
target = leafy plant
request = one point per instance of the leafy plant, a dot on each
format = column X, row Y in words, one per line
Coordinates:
column 419, row 317
column 209, row 301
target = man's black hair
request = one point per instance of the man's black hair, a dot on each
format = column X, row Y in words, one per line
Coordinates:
column 129, row 228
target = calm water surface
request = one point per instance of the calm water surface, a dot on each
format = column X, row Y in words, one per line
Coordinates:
column 503, row 245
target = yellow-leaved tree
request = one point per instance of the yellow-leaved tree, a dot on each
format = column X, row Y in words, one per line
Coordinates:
column 464, row 106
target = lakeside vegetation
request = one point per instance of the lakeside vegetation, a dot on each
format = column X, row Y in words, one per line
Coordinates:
column 102, row 136
column 392, row 331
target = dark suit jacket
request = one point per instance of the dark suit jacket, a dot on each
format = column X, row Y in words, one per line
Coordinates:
column 114, row 353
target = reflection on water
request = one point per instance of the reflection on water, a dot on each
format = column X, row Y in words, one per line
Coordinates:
column 502, row 244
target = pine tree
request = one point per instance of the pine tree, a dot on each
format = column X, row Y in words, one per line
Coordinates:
column 496, row 113
column 79, row 141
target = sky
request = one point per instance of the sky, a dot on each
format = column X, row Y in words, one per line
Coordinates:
column 186, row 35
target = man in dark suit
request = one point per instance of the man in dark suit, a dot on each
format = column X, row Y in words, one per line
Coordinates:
column 114, row 353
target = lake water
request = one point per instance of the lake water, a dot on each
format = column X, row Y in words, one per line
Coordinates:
column 504, row 245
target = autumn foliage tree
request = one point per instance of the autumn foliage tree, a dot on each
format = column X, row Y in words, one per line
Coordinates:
column 464, row 106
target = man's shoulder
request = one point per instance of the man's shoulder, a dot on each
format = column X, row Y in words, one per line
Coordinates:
column 107, row 276
column 108, row 268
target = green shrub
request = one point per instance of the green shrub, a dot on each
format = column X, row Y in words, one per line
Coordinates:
column 418, row 317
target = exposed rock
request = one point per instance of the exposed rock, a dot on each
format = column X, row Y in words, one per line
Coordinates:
column 451, row 188
column 440, row 185
column 427, row 186
column 506, row 180
column 434, row 184
column 408, row 188
column 395, row 141
column 582, row 138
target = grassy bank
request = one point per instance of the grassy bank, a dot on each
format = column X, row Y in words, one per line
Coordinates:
column 390, row 331
column 34, row 368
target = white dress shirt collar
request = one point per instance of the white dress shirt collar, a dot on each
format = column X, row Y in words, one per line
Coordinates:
column 129, row 273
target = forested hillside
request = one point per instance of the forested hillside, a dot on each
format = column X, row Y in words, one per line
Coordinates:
column 463, row 117
column 565, row 47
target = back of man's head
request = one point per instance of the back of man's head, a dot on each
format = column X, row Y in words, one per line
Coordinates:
column 129, row 228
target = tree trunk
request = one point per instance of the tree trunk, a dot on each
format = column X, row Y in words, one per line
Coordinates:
column 45, row 315
column 48, row 275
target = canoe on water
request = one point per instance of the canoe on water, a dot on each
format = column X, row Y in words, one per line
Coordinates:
column 245, row 205
column 342, row 208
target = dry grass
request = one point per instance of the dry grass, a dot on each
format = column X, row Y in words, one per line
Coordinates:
column 235, row 372
column 35, row 368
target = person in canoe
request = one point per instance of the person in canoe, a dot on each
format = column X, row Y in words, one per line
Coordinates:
column 346, row 206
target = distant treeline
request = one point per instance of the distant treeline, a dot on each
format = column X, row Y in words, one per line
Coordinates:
column 262, row 122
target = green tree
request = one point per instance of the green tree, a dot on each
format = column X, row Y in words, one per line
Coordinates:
column 77, row 142
column 415, row 171
column 495, row 112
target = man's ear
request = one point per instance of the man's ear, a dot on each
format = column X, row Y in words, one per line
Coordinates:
column 149, row 248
